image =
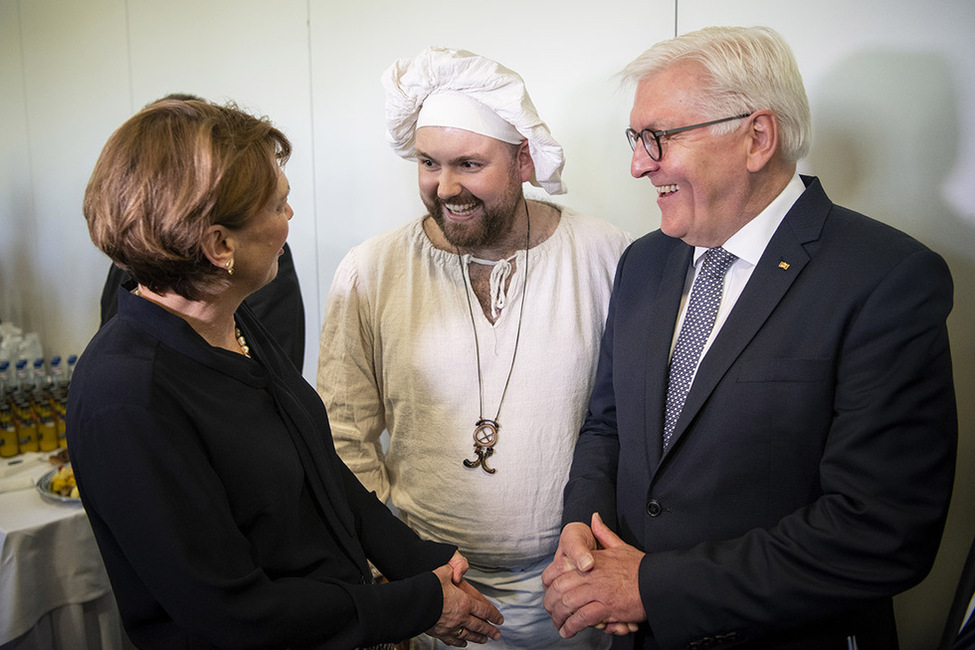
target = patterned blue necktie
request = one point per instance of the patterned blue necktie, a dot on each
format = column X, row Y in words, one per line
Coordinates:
column 698, row 321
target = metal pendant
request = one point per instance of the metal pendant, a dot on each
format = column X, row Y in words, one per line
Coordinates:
column 485, row 437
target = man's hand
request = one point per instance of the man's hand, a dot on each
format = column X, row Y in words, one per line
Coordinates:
column 467, row 615
column 593, row 581
column 574, row 553
column 459, row 566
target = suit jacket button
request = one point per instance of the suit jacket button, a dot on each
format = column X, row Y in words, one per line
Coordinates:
column 653, row 508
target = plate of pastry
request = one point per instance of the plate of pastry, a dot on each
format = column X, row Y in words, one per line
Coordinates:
column 59, row 485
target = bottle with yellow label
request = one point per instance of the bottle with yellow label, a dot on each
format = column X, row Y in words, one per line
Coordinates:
column 9, row 446
column 59, row 411
column 26, row 426
column 47, row 432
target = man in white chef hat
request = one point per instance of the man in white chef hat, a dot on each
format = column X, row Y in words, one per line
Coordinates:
column 470, row 334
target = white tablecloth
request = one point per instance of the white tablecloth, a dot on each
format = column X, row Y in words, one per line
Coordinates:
column 54, row 592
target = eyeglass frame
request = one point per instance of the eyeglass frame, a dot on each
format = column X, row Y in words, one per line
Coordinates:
column 632, row 136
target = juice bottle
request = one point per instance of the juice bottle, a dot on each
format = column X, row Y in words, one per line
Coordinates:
column 9, row 446
column 47, row 432
column 26, row 425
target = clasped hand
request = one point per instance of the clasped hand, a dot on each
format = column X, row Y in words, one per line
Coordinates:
column 467, row 615
column 593, row 581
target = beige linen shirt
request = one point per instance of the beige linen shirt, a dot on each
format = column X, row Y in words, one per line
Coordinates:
column 397, row 353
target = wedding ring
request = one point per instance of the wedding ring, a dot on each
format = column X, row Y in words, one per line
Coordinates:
column 459, row 633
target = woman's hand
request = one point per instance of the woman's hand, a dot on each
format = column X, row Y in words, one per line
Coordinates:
column 467, row 615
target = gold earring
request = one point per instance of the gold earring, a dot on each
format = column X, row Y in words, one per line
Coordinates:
column 230, row 266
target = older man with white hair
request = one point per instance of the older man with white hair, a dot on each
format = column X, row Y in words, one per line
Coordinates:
column 470, row 334
column 769, row 449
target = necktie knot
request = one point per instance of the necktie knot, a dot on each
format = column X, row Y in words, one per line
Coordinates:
column 716, row 262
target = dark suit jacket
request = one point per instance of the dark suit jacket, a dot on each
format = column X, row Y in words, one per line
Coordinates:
column 810, row 471
column 278, row 305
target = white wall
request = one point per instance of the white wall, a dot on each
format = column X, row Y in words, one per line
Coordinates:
column 890, row 83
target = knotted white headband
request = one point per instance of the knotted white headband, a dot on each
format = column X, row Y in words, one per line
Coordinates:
column 445, row 87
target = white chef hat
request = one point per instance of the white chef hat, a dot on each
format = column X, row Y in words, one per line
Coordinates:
column 445, row 87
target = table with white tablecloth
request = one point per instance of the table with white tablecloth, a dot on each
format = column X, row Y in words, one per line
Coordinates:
column 54, row 592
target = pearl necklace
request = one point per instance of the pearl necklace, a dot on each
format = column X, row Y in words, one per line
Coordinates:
column 242, row 342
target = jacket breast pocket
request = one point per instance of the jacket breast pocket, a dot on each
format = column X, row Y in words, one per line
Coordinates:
column 784, row 370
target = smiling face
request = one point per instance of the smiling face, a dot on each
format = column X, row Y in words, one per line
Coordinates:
column 701, row 179
column 471, row 185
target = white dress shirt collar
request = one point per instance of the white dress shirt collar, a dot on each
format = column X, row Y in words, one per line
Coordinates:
column 748, row 244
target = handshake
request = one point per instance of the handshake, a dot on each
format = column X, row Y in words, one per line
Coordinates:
column 592, row 582
column 467, row 615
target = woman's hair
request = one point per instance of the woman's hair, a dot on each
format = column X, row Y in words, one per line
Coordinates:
column 171, row 171
column 749, row 69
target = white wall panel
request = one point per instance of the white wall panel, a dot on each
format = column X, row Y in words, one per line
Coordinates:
column 17, row 234
column 256, row 54
column 73, row 67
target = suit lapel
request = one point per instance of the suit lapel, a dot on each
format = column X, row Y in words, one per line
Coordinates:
column 766, row 287
column 662, row 318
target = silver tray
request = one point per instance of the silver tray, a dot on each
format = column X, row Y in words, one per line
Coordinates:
column 43, row 486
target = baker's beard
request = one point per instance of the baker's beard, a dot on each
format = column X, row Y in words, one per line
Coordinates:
column 490, row 228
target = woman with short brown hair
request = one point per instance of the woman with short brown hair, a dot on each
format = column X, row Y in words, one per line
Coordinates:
column 204, row 460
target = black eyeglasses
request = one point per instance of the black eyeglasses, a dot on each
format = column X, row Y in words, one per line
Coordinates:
column 652, row 143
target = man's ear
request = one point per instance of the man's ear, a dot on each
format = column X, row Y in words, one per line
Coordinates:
column 526, row 166
column 763, row 139
column 218, row 246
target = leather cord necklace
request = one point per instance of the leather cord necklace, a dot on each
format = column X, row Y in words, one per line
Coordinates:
column 486, row 430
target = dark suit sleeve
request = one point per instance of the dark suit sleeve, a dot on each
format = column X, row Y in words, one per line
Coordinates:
column 109, row 302
column 592, row 483
column 280, row 308
column 885, row 474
